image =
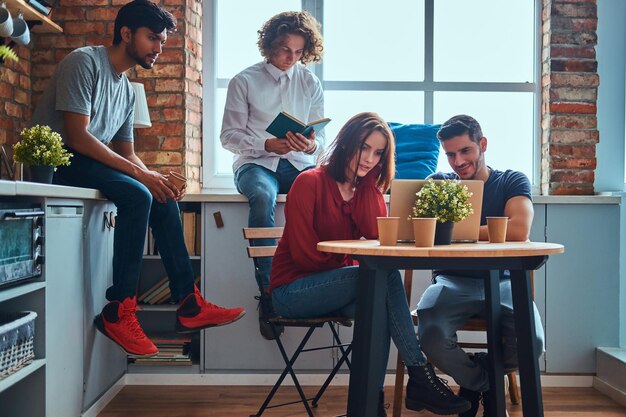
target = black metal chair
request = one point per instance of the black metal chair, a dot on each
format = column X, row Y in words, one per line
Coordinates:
column 276, row 324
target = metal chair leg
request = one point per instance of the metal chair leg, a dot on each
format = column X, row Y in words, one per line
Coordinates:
column 288, row 370
column 340, row 362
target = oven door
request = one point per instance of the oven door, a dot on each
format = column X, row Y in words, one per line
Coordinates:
column 21, row 241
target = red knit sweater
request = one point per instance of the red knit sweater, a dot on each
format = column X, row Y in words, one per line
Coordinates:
column 315, row 211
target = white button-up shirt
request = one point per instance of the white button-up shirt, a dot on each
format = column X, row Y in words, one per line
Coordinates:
column 255, row 97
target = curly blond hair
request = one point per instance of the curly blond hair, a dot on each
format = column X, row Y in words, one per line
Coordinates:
column 272, row 33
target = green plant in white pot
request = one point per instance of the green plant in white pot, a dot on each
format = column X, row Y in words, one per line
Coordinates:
column 446, row 200
column 42, row 149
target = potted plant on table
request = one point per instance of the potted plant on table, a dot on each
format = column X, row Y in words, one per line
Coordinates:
column 448, row 201
column 42, row 150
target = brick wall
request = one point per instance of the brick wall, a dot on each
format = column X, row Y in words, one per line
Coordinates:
column 569, row 87
column 15, row 104
column 173, row 86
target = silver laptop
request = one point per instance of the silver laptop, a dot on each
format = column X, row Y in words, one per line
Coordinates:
column 403, row 198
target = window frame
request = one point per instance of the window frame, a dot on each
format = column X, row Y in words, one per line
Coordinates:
column 429, row 86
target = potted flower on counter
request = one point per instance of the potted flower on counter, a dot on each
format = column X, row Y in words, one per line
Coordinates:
column 446, row 200
column 42, row 150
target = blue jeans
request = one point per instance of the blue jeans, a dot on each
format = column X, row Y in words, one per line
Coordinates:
column 445, row 306
column 261, row 186
column 135, row 210
column 333, row 292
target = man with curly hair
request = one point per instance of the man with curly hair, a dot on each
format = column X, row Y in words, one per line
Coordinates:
column 265, row 166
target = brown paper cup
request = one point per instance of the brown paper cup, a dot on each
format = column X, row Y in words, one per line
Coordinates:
column 388, row 230
column 496, row 227
column 424, row 231
column 178, row 180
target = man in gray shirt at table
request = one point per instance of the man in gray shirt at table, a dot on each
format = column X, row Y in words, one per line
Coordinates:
column 90, row 102
column 455, row 296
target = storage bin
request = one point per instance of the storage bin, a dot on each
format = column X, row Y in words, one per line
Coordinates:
column 17, row 335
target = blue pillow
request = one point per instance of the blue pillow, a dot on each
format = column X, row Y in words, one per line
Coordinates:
column 417, row 150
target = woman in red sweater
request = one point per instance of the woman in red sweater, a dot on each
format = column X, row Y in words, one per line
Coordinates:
column 341, row 200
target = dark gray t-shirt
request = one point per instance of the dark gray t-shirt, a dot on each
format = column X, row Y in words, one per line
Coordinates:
column 86, row 83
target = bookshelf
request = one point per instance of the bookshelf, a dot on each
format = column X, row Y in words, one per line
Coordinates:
column 47, row 25
column 155, row 312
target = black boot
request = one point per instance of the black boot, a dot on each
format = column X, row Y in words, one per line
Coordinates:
column 266, row 311
column 427, row 390
column 382, row 407
column 486, row 398
column 474, row 398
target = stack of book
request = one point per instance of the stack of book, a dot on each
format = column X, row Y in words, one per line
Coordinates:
column 192, row 231
column 159, row 293
column 173, row 350
column 192, row 223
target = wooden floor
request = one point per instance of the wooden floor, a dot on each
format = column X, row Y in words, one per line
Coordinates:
column 238, row 401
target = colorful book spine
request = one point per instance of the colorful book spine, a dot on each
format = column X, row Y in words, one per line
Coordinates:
column 40, row 7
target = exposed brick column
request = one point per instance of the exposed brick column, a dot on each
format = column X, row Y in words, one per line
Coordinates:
column 15, row 108
column 569, row 94
column 173, row 86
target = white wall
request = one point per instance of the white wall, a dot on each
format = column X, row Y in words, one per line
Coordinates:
column 612, row 69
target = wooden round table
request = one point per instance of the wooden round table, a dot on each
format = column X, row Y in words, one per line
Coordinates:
column 375, row 261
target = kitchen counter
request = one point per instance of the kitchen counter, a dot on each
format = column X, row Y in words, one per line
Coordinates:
column 25, row 188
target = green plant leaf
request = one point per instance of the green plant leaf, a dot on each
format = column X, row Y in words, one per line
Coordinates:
column 41, row 146
column 446, row 200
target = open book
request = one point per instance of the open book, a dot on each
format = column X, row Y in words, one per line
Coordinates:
column 285, row 122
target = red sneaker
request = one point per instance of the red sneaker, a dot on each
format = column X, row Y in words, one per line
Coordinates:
column 118, row 322
column 195, row 313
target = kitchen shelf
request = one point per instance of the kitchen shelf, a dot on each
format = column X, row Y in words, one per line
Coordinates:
column 14, row 378
column 30, row 13
column 164, row 369
column 19, row 290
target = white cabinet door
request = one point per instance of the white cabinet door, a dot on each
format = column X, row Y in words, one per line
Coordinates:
column 104, row 362
column 64, row 308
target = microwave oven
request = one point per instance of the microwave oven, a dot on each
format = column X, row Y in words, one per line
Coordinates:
column 21, row 242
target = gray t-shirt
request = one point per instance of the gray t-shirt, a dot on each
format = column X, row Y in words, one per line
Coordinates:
column 86, row 83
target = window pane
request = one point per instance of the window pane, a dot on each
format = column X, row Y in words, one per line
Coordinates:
column 237, row 25
column 364, row 41
column 506, row 120
column 393, row 106
column 484, row 40
column 223, row 161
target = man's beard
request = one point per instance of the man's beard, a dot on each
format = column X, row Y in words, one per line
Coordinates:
column 480, row 163
column 131, row 51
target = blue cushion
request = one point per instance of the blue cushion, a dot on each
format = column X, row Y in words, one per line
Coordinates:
column 417, row 150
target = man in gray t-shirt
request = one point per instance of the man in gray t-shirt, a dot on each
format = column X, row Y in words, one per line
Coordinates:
column 90, row 102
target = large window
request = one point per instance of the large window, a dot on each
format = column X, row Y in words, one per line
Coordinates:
column 411, row 61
